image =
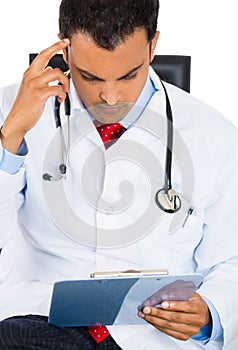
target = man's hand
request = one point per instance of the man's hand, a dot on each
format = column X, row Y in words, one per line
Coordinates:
column 32, row 96
column 179, row 319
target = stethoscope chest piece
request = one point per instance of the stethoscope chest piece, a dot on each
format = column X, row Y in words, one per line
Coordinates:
column 168, row 202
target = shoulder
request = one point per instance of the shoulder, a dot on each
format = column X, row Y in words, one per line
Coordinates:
column 192, row 114
column 188, row 110
column 206, row 131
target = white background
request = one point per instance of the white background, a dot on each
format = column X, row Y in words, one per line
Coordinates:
column 206, row 30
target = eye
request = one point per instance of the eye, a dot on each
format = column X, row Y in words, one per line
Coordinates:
column 130, row 77
column 88, row 78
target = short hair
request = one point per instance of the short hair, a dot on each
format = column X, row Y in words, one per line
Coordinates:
column 108, row 22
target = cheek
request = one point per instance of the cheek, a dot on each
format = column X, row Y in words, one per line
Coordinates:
column 88, row 94
column 133, row 90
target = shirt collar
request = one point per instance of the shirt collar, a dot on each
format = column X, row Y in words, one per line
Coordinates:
column 76, row 103
column 140, row 104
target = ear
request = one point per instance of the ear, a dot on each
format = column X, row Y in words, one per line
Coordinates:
column 65, row 55
column 153, row 45
column 65, row 51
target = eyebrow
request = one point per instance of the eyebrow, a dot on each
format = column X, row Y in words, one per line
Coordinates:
column 133, row 70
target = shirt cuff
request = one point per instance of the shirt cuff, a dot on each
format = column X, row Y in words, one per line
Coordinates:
column 213, row 330
column 11, row 163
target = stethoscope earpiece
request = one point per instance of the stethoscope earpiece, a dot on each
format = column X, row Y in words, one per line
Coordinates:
column 62, row 170
column 169, row 202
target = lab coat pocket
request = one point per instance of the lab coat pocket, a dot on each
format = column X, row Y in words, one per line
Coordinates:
column 191, row 227
column 178, row 245
column 182, row 227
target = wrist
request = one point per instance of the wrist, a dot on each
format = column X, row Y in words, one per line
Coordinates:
column 11, row 139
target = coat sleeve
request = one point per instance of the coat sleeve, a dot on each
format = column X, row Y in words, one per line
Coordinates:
column 217, row 253
column 11, row 186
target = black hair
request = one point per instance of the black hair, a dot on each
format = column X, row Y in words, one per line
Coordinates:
column 108, row 22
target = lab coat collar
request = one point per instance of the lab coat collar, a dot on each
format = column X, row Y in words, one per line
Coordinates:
column 85, row 121
column 155, row 79
column 157, row 103
column 76, row 104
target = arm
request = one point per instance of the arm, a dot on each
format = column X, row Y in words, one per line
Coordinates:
column 32, row 96
column 215, row 256
column 11, row 163
column 16, row 121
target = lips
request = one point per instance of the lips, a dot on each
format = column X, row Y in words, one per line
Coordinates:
column 112, row 110
column 117, row 110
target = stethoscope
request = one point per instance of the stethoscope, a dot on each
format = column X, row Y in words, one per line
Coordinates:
column 166, row 198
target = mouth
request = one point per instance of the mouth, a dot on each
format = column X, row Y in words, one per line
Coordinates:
column 111, row 110
column 105, row 113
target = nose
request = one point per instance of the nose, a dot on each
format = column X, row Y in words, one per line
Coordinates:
column 110, row 94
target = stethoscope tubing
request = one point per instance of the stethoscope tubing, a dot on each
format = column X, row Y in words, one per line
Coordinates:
column 170, row 137
column 166, row 198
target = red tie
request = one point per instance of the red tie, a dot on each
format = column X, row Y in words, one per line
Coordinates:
column 99, row 333
column 109, row 132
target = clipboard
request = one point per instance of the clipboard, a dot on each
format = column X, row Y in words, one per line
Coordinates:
column 115, row 300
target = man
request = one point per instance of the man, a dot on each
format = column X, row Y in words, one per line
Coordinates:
column 108, row 46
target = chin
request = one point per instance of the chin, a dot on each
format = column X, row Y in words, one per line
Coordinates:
column 107, row 119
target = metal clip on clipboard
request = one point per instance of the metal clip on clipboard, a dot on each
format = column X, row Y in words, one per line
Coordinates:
column 129, row 273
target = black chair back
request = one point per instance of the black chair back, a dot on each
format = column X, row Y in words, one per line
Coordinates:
column 175, row 70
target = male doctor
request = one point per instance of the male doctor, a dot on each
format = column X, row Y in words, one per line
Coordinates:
column 108, row 46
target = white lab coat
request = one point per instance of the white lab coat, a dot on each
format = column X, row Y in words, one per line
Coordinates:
column 38, row 250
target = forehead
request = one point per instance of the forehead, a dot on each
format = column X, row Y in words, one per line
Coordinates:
column 85, row 54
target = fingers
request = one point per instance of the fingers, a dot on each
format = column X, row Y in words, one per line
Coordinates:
column 176, row 324
column 50, row 75
column 194, row 310
column 38, row 75
column 177, row 290
column 56, row 90
column 180, row 335
column 195, row 305
column 41, row 61
column 33, row 93
column 179, row 319
column 150, row 313
column 180, row 306
column 39, row 68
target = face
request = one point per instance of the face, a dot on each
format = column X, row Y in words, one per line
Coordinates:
column 109, row 82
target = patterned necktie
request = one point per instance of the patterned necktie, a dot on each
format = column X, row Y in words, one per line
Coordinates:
column 108, row 132
column 99, row 333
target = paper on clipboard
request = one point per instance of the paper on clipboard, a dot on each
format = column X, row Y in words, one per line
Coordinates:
column 115, row 301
